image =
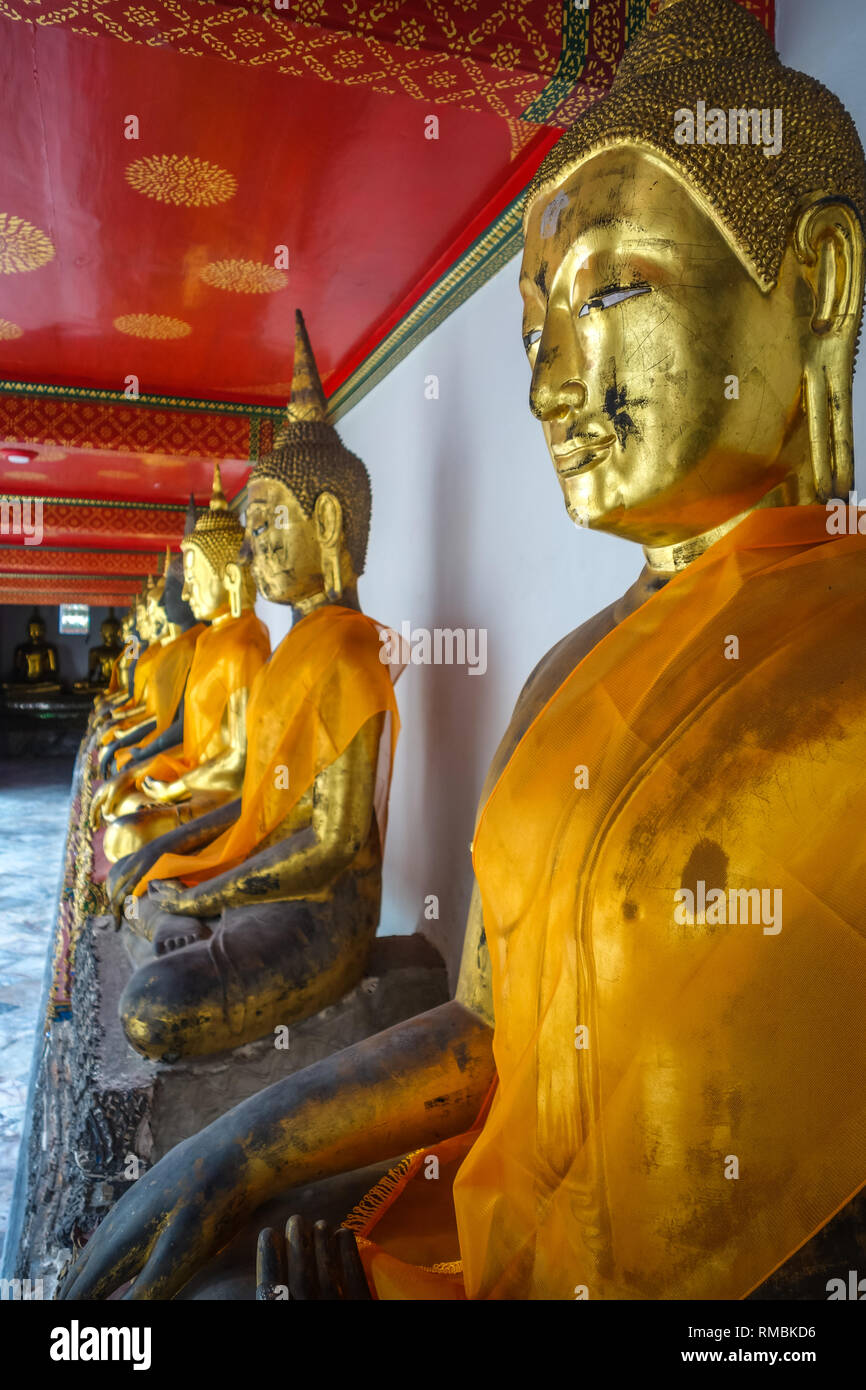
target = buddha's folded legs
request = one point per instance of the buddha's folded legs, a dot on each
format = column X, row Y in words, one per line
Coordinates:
column 264, row 966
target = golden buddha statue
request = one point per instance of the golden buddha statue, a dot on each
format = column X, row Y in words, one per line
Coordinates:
column 264, row 909
column 667, row 850
column 101, row 659
column 150, row 721
column 149, row 798
column 34, row 663
column 119, row 688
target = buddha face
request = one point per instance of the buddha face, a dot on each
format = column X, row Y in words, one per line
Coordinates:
column 203, row 588
column 284, row 544
column 157, row 622
column 36, row 631
column 666, row 381
column 142, row 625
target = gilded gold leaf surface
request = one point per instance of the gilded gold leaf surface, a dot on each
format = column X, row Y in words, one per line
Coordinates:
column 8, row 331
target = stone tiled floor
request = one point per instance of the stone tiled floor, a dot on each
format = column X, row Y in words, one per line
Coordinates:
column 34, row 808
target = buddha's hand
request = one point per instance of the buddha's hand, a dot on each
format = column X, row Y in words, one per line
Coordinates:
column 309, row 1263
column 166, row 793
column 97, row 804
column 122, row 878
column 169, row 895
column 166, row 1226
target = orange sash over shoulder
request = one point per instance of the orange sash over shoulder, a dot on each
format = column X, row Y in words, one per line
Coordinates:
column 228, row 657
column 114, row 679
column 166, row 677
column 322, row 684
column 140, row 681
column 671, row 872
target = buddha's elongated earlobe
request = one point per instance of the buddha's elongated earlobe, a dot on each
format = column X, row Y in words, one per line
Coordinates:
column 822, row 430
column 234, row 580
column 829, row 244
column 329, row 525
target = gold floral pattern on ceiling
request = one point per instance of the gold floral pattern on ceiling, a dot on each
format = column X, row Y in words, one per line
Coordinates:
column 444, row 56
column 244, row 277
column 22, row 246
column 181, row 179
column 152, row 326
column 8, row 331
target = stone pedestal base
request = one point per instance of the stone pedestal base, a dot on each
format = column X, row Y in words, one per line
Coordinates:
column 102, row 1114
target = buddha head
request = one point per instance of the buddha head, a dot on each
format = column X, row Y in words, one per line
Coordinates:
column 693, row 285
column 167, row 610
column 155, row 620
column 110, row 631
column 212, row 576
column 308, row 501
column 36, row 629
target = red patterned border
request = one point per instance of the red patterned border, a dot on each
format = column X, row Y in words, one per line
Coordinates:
column 129, row 528
column 124, row 429
column 94, row 598
column 112, row 563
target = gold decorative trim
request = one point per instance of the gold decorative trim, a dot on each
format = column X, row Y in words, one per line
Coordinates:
column 95, row 502
column 361, row 1215
column 487, row 254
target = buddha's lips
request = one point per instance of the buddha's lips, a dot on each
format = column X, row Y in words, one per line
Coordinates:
column 573, row 458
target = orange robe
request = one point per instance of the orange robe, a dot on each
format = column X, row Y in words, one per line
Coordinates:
column 228, row 657
column 140, row 680
column 165, row 677
column 322, row 684
column 680, row 1101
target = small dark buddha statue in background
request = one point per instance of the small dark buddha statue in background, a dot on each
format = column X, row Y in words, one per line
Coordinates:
column 35, row 666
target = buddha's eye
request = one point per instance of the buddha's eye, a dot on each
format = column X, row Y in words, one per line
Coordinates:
column 257, row 530
column 531, row 338
column 607, row 298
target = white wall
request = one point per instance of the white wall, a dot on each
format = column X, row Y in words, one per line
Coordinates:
column 469, row 530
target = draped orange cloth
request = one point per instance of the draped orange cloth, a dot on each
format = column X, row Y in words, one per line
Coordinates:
column 228, row 656
column 165, row 678
column 114, row 679
column 322, row 684
column 680, row 1100
column 140, row 681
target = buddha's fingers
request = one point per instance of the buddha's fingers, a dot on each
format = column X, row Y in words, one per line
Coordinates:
column 352, row 1276
column 107, row 1261
column 303, row 1280
column 327, row 1262
column 271, row 1267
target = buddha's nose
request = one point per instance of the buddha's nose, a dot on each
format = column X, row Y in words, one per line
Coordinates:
column 551, row 401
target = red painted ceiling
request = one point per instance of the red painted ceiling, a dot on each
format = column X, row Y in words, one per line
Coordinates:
column 340, row 176
column 254, row 130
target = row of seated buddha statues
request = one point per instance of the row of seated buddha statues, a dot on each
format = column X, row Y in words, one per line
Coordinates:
column 245, row 836
column 624, row 1101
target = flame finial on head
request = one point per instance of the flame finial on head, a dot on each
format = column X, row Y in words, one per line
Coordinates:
column 191, row 515
column 307, row 400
